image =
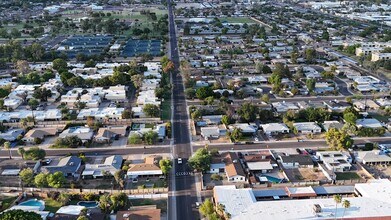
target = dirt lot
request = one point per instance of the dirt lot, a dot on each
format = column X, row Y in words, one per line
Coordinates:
column 305, row 174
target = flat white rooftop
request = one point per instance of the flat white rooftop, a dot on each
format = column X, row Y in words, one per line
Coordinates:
column 241, row 204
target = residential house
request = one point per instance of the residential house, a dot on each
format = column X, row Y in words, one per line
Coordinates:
column 143, row 170
column 335, row 161
column 11, row 135
column 217, row 165
column 337, row 106
column 107, row 134
column 84, row 133
column 101, row 114
column 307, row 128
column 110, row 166
column 296, row 161
column 274, row 128
column 69, row 166
column 148, row 168
column 233, row 168
column 264, row 166
column 368, row 123
column 39, row 133
column 213, row 132
column 246, row 128
column 281, row 107
column 374, row 157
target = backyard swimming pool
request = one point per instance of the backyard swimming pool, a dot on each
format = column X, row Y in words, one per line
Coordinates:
column 272, row 179
column 88, row 204
column 34, row 203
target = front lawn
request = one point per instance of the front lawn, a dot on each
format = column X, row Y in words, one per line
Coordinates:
column 347, row 176
column 166, row 109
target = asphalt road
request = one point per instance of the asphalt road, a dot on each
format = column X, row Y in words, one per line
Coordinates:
column 182, row 196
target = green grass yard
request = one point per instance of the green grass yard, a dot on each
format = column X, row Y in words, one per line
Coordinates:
column 166, row 109
column 347, row 176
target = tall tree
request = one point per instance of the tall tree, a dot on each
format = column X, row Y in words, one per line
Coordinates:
column 337, row 200
column 165, row 165
column 7, row 146
column 27, row 176
column 248, row 112
column 338, row 139
column 345, row 205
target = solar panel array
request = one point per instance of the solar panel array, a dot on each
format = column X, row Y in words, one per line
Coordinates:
column 135, row 47
column 88, row 45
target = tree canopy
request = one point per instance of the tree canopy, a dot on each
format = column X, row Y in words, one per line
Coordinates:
column 338, row 140
column 201, row 160
column 18, row 214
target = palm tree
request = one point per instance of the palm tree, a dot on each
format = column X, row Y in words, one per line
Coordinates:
column 7, row 146
column 345, row 205
column 337, row 199
column 21, row 152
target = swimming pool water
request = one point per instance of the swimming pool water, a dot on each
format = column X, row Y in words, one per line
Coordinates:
column 32, row 202
column 273, row 179
column 88, row 204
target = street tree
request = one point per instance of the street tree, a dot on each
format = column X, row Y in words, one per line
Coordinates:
column 201, row 160
column 34, row 153
column 165, row 165
column 27, row 176
column 21, row 152
column 169, row 67
column 338, row 140
column 56, row 180
column 7, row 146
column 40, row 180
